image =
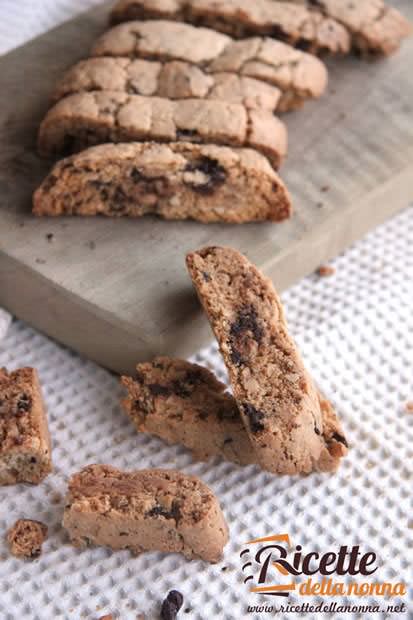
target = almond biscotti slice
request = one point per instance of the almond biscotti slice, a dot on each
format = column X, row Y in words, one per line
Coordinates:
column 172, row 80
column 276, row 397
column 92, row 118
column 175, row 181
column 25, row 450
column 183, row 403
column 297, row 74
column 303, row 27
column 147, row 510
column 374, row 26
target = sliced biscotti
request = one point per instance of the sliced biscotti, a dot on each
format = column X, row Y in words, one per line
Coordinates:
column 183, row 403
column 92, row 118
column 276, row 397
column 174, row 181
column 297, row 74
column 25, row 450
column 303, row 27
column 173, row 80
column 146, row 510
column 374, row 27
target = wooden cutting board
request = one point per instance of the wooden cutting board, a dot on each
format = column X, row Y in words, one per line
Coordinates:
column 117, row 291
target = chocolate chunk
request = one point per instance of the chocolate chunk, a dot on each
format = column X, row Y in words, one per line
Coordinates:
column 136, row 176
column 247, row 321
column 211, row 168
column 159, row 390
column 171, row 605
column 340, row 439
column 159, row 511
column 255, row 417
column 24, row 403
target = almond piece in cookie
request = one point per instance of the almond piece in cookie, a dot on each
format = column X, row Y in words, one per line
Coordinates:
column 147, row 510
column 25, row 450
column 174, row 181
column 276, row 396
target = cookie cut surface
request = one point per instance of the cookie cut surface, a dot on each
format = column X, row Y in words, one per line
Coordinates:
column 174, row 181
column 301, row 26
column 26, row 538
column 276, row 397
column 146, row 510
column 25, row 448
column 87, row 119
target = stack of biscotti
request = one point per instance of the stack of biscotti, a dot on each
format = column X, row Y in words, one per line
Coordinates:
column 194, row 86
column 276, row 417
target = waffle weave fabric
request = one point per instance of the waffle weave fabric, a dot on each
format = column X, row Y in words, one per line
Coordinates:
column 355, row 330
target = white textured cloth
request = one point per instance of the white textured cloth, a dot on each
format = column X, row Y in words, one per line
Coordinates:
column 5, row 320
column 355, row 330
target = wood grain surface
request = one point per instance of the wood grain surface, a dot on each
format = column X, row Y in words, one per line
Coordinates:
column 117, row 291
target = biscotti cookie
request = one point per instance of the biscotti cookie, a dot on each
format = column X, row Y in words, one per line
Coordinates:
column 92, row 118
column 25, row 451
column 162, row 510
column 174, row 181
column 26, row 538
column 276, row 397
column 183, row 403
column 374, row 27
column 297, row 74
column 298, row 25
column 172, row 80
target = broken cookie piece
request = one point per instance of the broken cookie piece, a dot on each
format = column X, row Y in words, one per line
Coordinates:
column 25, row 450
column 26, row 538
column 174, row 181
column 276, row 396
column 162, row 510
column 183, row 403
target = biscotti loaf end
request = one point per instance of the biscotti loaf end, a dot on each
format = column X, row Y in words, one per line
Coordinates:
column 25, row 447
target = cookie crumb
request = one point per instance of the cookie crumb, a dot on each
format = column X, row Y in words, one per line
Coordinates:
column 319, row 205
column 224, row 568
column 91, row 245
column 409, row 406
column 325, row 271
column 26, row 537
column 325, row 188
column 50, row 237
column 107, row 617
column 40, row 261
column 171, row 605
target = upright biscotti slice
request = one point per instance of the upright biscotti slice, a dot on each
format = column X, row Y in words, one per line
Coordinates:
column 172, row 80
column 25, row 450
column 275, row 394
column 374, row 27
column 174, row 181
column 148, row 510
column 298, row 75
column 92, row 118
column 298, row 25
column 183, row 403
